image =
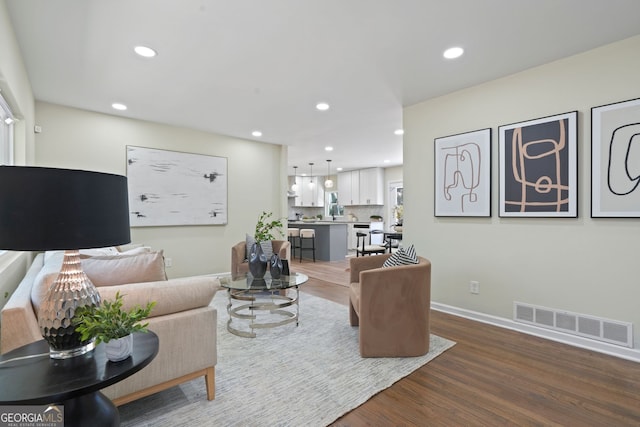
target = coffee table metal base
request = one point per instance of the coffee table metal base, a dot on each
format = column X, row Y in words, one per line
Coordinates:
column 252, row 308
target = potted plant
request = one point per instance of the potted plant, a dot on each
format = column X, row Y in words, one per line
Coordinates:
column 110, row 324
column 265, row 226
column 398, row 213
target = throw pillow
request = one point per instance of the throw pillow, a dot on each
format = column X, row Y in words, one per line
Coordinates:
column 249, row 240
column 108, row 251
column 118, row 270
column 402, row 257
column 45, row 278
column 267, row 248
column 91, row 253
column 135, row 251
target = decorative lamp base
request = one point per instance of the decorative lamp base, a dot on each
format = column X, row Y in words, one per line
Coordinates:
column 72, row 352
column 71, row 290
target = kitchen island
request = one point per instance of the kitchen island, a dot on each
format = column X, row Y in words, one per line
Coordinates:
column 331, row 240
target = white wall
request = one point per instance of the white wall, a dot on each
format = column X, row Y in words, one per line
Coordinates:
column 79, row 139
column 581, row 265
column 16, row 90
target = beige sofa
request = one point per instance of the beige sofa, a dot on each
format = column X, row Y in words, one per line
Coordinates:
column 182, row 318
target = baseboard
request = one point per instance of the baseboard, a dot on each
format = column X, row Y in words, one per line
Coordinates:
column 588, row 344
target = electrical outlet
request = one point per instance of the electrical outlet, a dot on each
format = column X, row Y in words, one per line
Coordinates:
column 474, row 287
column 168, row 262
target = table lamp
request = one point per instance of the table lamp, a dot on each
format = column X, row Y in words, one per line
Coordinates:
column 62, row 209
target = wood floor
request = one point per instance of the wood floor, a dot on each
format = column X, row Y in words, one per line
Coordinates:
column 494, row 377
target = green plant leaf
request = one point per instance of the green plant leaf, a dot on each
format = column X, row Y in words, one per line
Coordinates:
column 265, row 226
column 108, row 321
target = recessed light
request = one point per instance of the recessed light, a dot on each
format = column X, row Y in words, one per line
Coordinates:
column 386, row 161
column 338, row 169
column 256, row 133
column 328, row 148
column 453, row 52
column 399, row 132
column 322, row 106
column 145, row 51
column 118, row 106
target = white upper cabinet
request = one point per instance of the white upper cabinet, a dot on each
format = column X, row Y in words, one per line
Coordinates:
column 361, row 187
column 349, row 188
column 310, row 195
column 371, row 186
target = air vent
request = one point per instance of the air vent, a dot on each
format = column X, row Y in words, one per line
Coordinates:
column 610, row 331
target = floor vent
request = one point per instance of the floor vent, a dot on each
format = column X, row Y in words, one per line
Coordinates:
column 610, row 331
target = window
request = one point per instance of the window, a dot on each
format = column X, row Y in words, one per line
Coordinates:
column 332, row 208
column 6, row 136
column 395, row 208
column 6, row 133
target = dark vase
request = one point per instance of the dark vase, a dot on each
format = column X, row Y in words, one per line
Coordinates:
column 275, row 266
column 257, row 261
column 285, row 267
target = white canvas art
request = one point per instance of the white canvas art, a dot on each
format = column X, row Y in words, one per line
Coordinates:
column 463, row 174
column 174, row 188
column 615, row 160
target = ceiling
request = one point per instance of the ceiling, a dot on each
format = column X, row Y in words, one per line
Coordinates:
column 235, row 66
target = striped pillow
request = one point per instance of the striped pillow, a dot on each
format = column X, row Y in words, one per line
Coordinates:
column 402, row 257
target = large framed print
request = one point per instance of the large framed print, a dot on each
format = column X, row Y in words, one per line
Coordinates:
column 615, row 160
column 463, row 174
column 175, row 188
column 538, row 164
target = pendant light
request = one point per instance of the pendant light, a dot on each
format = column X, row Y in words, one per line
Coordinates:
column 328, row 183
column 311, row 176
column 294, row 187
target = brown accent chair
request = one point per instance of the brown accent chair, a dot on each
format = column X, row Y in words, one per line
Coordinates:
column 391, row 306
column 239, row 262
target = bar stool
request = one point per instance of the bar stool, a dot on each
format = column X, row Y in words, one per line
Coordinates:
column 294, row 239
column 307, row 234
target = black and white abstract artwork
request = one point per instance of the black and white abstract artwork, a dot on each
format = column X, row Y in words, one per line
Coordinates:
column 463, row 174
column 615, row 160
column 169, row 188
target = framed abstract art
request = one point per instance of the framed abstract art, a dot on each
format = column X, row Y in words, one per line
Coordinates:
column 174, row 188
column 463, row 174
column 538, row 162
column 615, row 160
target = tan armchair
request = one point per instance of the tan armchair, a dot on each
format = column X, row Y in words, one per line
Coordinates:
column 239, row 262
column 391, row 306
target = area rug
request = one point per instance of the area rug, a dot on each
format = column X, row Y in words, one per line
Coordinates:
column 289, row 376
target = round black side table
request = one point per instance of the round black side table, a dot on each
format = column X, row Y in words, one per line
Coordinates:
column 74, row 383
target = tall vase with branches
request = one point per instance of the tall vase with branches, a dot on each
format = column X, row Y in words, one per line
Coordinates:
column 266, row 227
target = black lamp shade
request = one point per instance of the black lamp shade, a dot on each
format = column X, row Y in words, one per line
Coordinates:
column 60, row 209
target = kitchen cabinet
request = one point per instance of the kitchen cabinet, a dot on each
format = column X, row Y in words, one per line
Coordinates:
column 371, row 186
column 331, row 239
column 349, row 187
column 361, row 187
column 310, row 196
column 351, row 237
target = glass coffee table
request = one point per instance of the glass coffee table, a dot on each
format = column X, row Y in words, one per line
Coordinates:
column 262, row 303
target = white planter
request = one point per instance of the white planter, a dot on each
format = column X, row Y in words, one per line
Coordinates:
column 119, row 349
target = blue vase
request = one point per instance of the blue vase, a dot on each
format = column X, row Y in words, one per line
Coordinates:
column 257, row 261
